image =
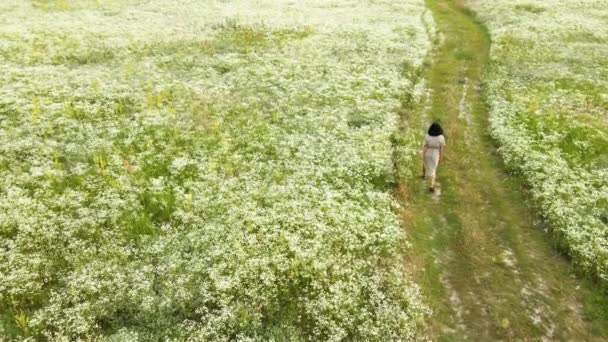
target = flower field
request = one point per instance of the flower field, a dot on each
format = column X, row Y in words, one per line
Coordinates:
column 548, row 92
column 212, row 170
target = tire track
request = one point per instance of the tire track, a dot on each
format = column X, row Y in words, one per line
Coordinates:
column 487, row 269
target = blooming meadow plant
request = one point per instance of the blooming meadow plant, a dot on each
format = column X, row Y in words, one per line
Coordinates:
column 548, row 92
column 210, row 170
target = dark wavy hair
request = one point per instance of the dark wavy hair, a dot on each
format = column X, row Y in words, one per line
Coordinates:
column 435, row 129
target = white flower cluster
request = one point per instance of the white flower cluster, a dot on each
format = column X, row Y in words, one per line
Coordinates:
column 204, row 170
column 547, row 88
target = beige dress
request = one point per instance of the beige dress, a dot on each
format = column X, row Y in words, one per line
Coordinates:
column 431, row 157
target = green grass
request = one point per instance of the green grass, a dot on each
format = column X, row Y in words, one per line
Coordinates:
column 530, row 8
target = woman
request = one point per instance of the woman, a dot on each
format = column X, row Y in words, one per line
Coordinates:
column 434, row 143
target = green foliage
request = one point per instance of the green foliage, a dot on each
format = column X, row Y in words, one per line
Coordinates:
column 173, row 173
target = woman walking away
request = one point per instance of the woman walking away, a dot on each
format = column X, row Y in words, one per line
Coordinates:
column 434, row 143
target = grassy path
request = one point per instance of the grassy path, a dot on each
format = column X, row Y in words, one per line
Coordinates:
column 487, row 268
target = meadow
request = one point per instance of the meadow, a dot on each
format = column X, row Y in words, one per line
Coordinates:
column 234, row 170
column 205, row 170
column 547, row 88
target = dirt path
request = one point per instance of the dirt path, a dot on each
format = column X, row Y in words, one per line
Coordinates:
column 486, row 266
